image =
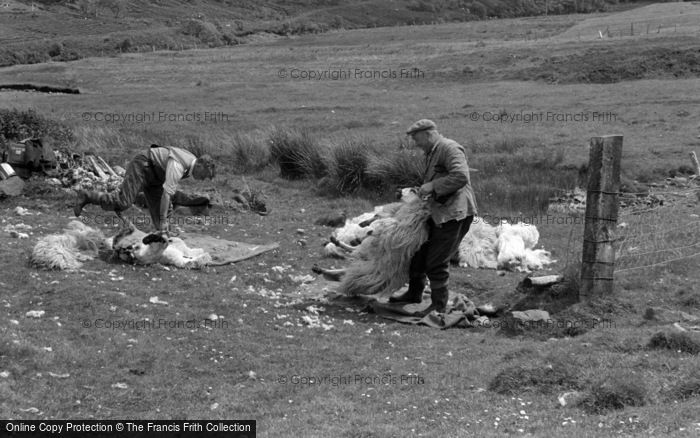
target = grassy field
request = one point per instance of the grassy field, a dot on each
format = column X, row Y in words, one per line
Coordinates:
column 485, row 85
column 32, row 32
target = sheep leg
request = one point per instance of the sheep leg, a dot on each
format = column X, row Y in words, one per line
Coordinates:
column 329, row 274
column 342, row 245
column 368, row 222
column 125, row 222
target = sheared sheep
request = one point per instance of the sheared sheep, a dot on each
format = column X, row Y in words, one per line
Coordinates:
column 515, row 246
column 68, row 250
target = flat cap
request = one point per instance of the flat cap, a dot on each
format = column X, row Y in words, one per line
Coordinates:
column 421, row 125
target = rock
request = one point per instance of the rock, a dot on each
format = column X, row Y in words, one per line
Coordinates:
column 302, row 278
column 35, row 314
column 569, row 398
column 532, row 315
column 59, row 376
column 12, row 186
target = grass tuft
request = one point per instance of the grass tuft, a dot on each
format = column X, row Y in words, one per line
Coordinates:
column 542, row 377
column 249, row 152
column 687, row 388
column 396, row 168
column 678, row 341
column 347, row 165
column 297, row 153
column 614, row 392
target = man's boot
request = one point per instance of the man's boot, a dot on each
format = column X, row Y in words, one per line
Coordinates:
column 414, row 294
column 439, row 302
column 84, row 198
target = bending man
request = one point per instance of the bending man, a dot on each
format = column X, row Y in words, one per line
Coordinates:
column 156, row 173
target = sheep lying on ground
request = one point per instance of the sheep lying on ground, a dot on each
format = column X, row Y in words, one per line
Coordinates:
column 78, row 243
column 134, row 246
column 506, row 246
column 354, row 231
column 381, row 261
column 68, row 250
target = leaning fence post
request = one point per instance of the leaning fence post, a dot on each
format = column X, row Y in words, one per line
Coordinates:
column 696, row 165
column 598, row 261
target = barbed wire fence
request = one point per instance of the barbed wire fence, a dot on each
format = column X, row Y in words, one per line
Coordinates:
column 654, row 229
column 651, row 237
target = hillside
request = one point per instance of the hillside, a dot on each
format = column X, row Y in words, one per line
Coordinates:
column 32, row 32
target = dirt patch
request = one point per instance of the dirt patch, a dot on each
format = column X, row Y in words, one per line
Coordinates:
column 39, row 88
column 610, row 65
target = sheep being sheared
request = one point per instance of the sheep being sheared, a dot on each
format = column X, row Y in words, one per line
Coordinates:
column 354, row 231
column 134, row 246
column 506, row 246
column 381, row 261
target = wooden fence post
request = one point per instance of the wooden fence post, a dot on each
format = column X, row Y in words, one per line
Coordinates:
column 598, row 261
column 696, row 164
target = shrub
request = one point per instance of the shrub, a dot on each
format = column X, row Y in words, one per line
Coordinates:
column 678, row 341
column 20, row 124
column 478, row 9
column 614, row 392
column 249, row 154
column 347, row 165
column 202, row 30
column 396, row 168
column 125, row 45
column 297, row 153
column 55, row 49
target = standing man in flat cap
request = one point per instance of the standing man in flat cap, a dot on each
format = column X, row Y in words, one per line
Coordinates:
column 157, row 173
column 453, row 207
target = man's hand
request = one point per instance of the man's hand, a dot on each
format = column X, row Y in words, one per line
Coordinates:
column 163, row 231
column 426, row 190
